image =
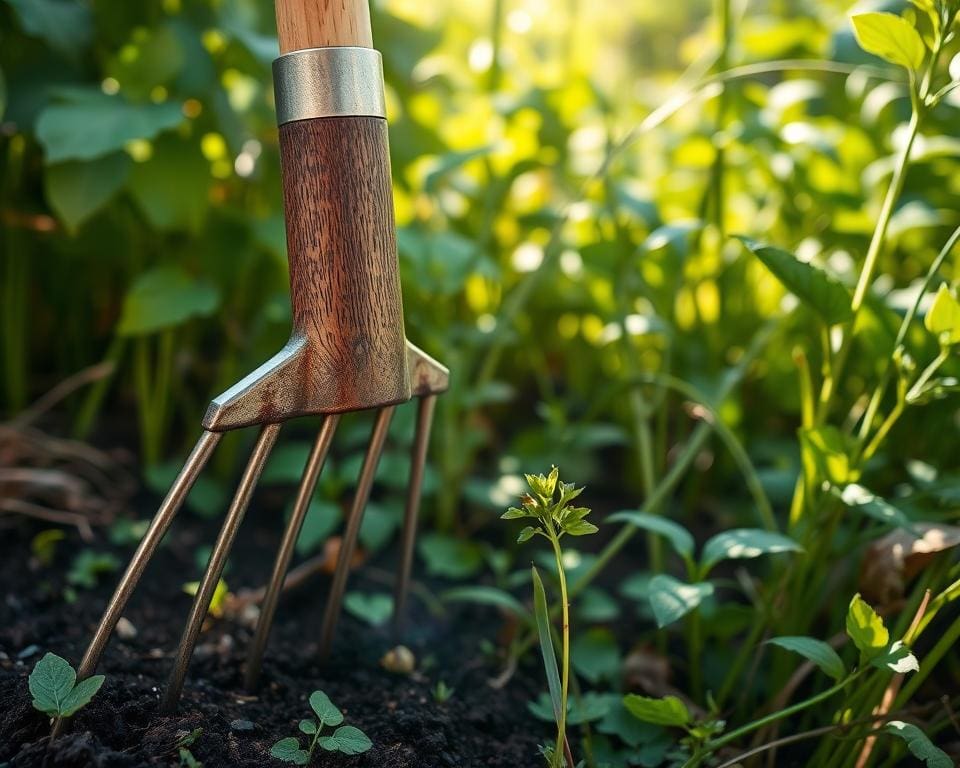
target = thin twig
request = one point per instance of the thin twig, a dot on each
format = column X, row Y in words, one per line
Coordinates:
column 63, row 390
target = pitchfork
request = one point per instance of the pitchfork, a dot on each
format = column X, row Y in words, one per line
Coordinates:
column 347, row 351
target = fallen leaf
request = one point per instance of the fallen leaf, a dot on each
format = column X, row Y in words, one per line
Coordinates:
column 893, row 560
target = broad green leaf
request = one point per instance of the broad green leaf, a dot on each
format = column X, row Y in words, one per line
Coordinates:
column 596, row 656
column 375, row 609
column 817, row 651
column 526, row 534
column 672, row 599
column 898, row 658
column 813, row 286
column 669, row 710
column 50, row 683
column 81, row 695
column 919, row 744
column 172, row 187
column 678, row 536
column 450, row 557
column 347, row 740
column 580, row 528
column 90, row 125
column 308, row 727
column 866, row 628
column 321, row 521
column 542, row 614
column 492, row 596
column 66, row 25
column 289, row 751
column 943, row 319
column 859, row 498
column 77, row 190
column 891, row 38
column 744, row 544
column 324, row 709
column 163, row 298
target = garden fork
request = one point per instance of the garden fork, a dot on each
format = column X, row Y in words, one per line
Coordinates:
column 348, row 350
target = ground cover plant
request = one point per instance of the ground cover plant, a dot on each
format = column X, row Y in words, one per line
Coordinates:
column 701, row 256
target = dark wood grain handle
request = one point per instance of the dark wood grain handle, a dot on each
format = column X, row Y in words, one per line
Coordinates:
column 344, row 273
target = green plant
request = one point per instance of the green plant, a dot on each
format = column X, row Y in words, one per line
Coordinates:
column 549, row 505
column 183, row 744
column 346, row 739
column 442, row 693
column 55, row 690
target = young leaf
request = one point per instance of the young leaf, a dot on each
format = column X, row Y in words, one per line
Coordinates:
column 859, row 498
column 814, row 287
column 897, row 658
column 891, row 38
column 669, row 710
column 671, row 599
column 542, row 613
column 744, row 544
column 919, row 744
column 347, row 740
column 866, row 628
column 323, row 708
column 289, row 751
column 375, row 609
column 526, row 534
column 943, row 319
column 308, row 727
column 827, row 451
column 482, row 595
column 81, row 695
column 817, row 651
column 678, row 536
column 50, row 683
column 580, row 528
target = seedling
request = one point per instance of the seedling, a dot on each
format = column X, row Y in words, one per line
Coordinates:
column 346, row 739
column 187, row 759
column 554, row 517
column 56, row 692
column 442, row 692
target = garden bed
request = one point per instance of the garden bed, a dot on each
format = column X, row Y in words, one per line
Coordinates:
column 476, row 726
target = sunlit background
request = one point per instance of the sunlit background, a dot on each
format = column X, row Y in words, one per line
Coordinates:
column 567, row 178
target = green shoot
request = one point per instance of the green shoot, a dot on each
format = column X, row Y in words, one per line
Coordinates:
column 346, row 739
column 55, row 690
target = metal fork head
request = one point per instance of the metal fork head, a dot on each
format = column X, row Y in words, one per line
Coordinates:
column 270, row 396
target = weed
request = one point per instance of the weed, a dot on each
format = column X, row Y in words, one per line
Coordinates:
column 549, row 504
column 346, row 739
column 55, row 690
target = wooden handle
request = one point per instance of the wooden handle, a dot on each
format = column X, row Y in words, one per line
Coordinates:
column 322, row 23
column 344, row 274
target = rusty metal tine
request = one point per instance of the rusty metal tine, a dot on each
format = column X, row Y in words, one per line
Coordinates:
column 218, row 559
column 332, row 612
column 148, row 545
column 268, row 607
column 418, row 461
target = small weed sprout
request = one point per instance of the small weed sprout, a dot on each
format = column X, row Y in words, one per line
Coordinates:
column 346, row 739
column 55, row 690
column 549, row 504
column 442, row 692
column 187, row 759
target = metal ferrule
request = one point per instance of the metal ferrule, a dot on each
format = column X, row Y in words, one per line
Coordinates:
column 329, row 82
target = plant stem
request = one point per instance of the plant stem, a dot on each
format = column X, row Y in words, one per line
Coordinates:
column 559, row 752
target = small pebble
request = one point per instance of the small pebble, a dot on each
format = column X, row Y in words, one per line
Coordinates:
column 242, row 726
column 30, row 650
column 125, row 629
column 399, row 660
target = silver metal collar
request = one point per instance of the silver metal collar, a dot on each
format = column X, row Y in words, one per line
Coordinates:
column 329, row 82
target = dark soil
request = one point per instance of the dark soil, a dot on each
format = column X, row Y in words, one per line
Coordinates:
column 477, row 726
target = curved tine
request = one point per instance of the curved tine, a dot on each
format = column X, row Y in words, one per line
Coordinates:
column 218, row 558
column 311, row 473
column 332, row 612
column 418, row 461
column 148, row 545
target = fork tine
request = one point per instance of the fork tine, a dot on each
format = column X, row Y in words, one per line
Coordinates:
column 332, row 612
column 268, row 607
column 218, row 558
column 148, row 545
column 418, row 460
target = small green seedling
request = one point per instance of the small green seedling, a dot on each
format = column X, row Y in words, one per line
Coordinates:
column 442, row 692
column 56, row 692
column 187, row 759
column 346, row 739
